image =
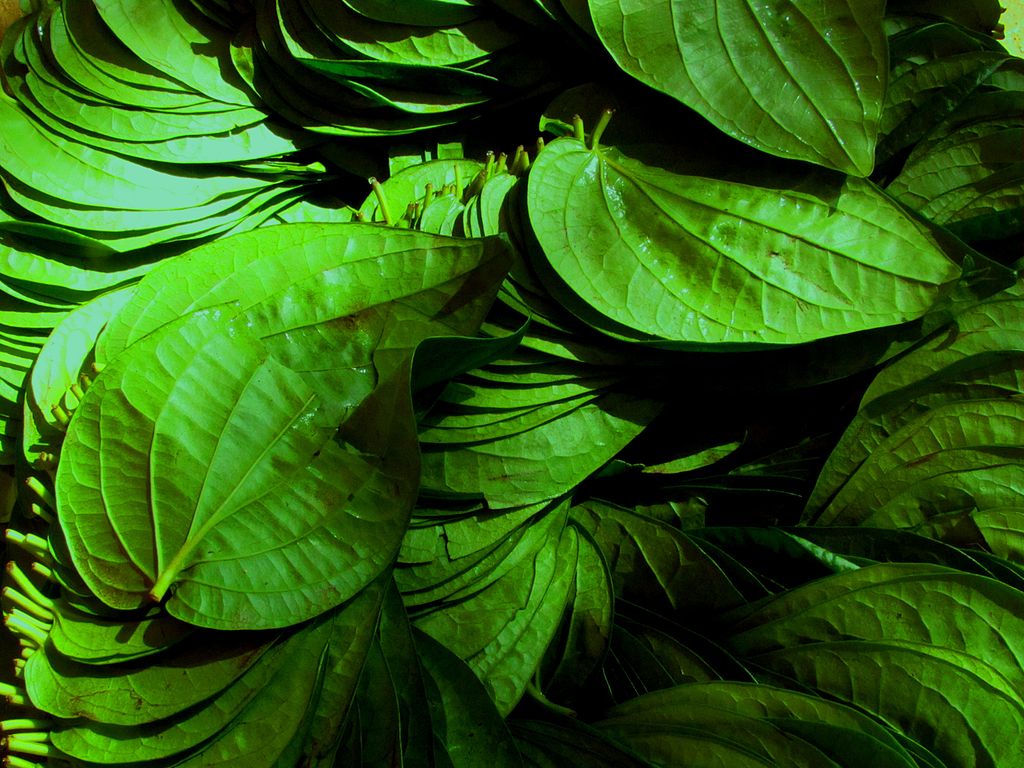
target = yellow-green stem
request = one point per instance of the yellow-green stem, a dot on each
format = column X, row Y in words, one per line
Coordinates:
column 26, row 747
column 13, row 694
column 24, row 724
column 45, row 495
column 577, row 128
column 382, row 201
column 32, row 544
column 27, row 605
column 602, row 123
column 24, row 583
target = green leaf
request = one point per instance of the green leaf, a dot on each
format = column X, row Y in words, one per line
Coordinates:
column 976, row 359
column 390, row 723
column 101, row 64
column 761, row 718
column 980, row 15
column 214, row 509
column 970, row 180
column 430, row 46
column 653, row 564
column 958, row 457
column 503, row 631
column 935, row 68
column 410, row 185
column 656, row 255
column 293, row 263
column 586, row 632
column 108, row 744
column 942, row 699
column 172, row 38
column 59, row 365
column 146, row 690
column 468, row 730
column 516, row 470
column 352, row 634
column 45, row 162
column 644, row 662
column 475, row 552
column 91, row 640
column 796, row 79
column 553, row 745
column 911, row 603
column 428, row 13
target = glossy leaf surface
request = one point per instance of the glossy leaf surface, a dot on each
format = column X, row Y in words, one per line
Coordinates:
column 813, row 93
column 661, row 256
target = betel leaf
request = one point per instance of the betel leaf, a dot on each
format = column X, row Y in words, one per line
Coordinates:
column 401, row 43
column 795, row 78
column 352, row 634
column 272, row 728
column 389, row 722
column 979, row 357
column 172, row 38
column 468, row 730
column 953, row 610
column 553, row 745
column 58, row 367
column 787, row 727
column 495, row 547
column 937, row 697
column 110, row 744
column 959, row 457
column 296, row 264
column 92, row 640
column 972, row 179
column 584, row 639
column 211, row 498
column 657, row 255
column 45, row 161
column 655, row 565
column 216, row 474
column 145, row 690
column 503, row 630
column 515, row 470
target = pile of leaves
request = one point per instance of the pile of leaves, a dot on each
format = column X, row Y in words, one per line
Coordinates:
column 658, row 402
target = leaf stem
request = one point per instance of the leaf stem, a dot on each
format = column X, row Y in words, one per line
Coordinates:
column 22, row 625
column 28, row 747
column 602, row 123
column 382, row 201
column 61, row 415
column 34, row 545
column 45, row 571
column 577, row 128
column 538, row 695
column 26, row 604
column 24, row 724
column 13, row 761
column 30, row 590
column 45, row 495
column 42, row 512
column 14, row 695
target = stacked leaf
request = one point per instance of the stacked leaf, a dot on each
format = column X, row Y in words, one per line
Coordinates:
column 953, row 130
column 246, row 528
column 495, row 474
column 116, row 136
column 120, row 131
column 936, row 444
column 945, row 672
column 370, row 68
